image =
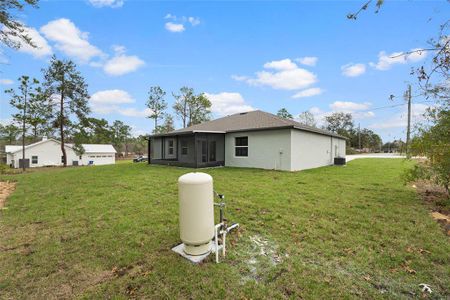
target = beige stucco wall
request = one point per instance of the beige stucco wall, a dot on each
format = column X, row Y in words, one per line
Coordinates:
column 270, row 149
column 310, row 150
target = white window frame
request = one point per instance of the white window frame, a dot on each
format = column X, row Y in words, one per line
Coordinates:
column 32, row 160
column 235, row 147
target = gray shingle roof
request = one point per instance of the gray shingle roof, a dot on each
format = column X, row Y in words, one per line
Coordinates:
column 248, row 121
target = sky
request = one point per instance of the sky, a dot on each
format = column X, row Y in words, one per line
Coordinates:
column 245, row 55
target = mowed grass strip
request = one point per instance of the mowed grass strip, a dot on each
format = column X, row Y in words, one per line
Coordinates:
column 333, row 232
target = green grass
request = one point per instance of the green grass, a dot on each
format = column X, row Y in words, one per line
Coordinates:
column 333, row 232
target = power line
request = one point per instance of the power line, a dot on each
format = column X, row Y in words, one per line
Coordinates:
column 395, row 105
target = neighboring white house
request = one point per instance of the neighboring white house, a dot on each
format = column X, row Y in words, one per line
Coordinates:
column 48, row 153
column 253, row 139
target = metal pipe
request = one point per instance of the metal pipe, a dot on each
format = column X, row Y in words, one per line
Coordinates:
column 235, row 225
column 216, row 240
column 223, row 242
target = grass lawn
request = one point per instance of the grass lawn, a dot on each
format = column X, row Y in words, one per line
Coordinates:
column 333, row 232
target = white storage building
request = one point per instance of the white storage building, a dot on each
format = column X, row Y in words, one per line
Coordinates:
column 48, row 153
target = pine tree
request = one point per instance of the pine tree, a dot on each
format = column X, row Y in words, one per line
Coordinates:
column 65, row 84
column 20, row 101
column 156, row 103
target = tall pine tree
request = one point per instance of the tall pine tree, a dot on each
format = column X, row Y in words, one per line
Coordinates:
column 20, row 101
column 68, row 89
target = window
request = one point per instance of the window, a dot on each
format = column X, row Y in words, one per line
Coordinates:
column 241, row 146
column 212, row 151
column 170, row 147
column 184, row 147
column 62, row 159
column 34, row 159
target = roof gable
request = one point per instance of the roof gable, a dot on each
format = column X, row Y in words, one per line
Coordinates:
column 89, row 148
column 98, row 148
column 15, row 148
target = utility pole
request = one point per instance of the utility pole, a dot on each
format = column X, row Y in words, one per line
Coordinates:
column 408, row 129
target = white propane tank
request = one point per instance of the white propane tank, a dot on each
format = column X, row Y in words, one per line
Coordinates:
column 196, row 197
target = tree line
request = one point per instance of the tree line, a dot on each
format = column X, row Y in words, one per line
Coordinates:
column 189, row 107
column 57, row 106
column 342, row 124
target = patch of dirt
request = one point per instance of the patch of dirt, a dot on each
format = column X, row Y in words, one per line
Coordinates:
column 442, row 219
column 6, row 189
column 437, row 199
column 261, row 257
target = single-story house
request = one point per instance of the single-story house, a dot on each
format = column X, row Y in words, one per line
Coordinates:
column 254, row 139
column 47, row 152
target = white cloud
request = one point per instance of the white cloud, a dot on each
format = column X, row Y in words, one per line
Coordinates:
column 133, row 112
column 121, row 63
column 228, row 103
column 284, row 64
column 308, row 93
column 6, row 121
column 42, row 48
column 385, row 61
column 137, row 131
column 174, row 27
column 111, row 97
column 170, row 17
column 358, row 110
column 308, row 60
column 353, row 70
column 106, row 3
column 194, row 21
column 5, row 81
column 111, row 101
column 286, row 76
column 400, row 119
column 177, row 24
column 119, row 49
column 70, row 40
column 347, row 106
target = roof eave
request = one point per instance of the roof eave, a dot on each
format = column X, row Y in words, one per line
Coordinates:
column 174, row 133
column 321, row 132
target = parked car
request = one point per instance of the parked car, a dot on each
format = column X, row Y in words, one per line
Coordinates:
column 140, row 158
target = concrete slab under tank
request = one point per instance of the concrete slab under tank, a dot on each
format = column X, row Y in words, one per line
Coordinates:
column 195, row 258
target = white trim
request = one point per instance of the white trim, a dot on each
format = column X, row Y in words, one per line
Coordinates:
column 207, row 131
